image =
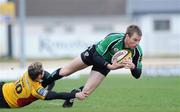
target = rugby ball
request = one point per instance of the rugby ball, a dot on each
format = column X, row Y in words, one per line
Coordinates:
column 122, row 55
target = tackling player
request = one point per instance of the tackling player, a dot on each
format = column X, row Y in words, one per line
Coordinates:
column 29, row 89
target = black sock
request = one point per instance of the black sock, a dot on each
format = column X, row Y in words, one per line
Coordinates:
column 51, row 78
column 55, row 75
column 81, row 88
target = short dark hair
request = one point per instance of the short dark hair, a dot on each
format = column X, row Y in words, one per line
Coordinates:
column 133, row 29
column 34, row 70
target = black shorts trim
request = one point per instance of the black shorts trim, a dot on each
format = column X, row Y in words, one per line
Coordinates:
column 3, row 103
column 87, row 58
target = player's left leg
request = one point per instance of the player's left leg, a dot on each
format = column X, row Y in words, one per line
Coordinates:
column 92, row 83
column 97, row 75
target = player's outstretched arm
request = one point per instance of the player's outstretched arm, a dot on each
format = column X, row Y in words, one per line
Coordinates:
column 64, row 95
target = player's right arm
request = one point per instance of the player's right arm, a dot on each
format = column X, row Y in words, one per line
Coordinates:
column 64, row 95
column 42, row 93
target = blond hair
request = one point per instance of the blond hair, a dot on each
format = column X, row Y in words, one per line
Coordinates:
column 35, row 69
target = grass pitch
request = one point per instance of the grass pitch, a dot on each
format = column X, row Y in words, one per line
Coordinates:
column 117, row 94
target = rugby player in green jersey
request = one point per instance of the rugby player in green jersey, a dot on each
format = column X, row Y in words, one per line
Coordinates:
column 99, row 56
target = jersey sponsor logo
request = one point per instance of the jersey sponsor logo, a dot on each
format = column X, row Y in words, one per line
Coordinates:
column 42, row 91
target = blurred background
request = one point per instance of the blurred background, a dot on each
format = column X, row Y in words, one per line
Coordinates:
column 55, row 31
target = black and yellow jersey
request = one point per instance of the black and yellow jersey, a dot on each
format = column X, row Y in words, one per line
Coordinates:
column 23, row 92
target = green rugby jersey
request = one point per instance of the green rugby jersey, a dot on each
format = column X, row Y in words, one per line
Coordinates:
column 115, row 42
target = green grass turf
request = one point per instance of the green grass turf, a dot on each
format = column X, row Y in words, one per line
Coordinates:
column 117, row 94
